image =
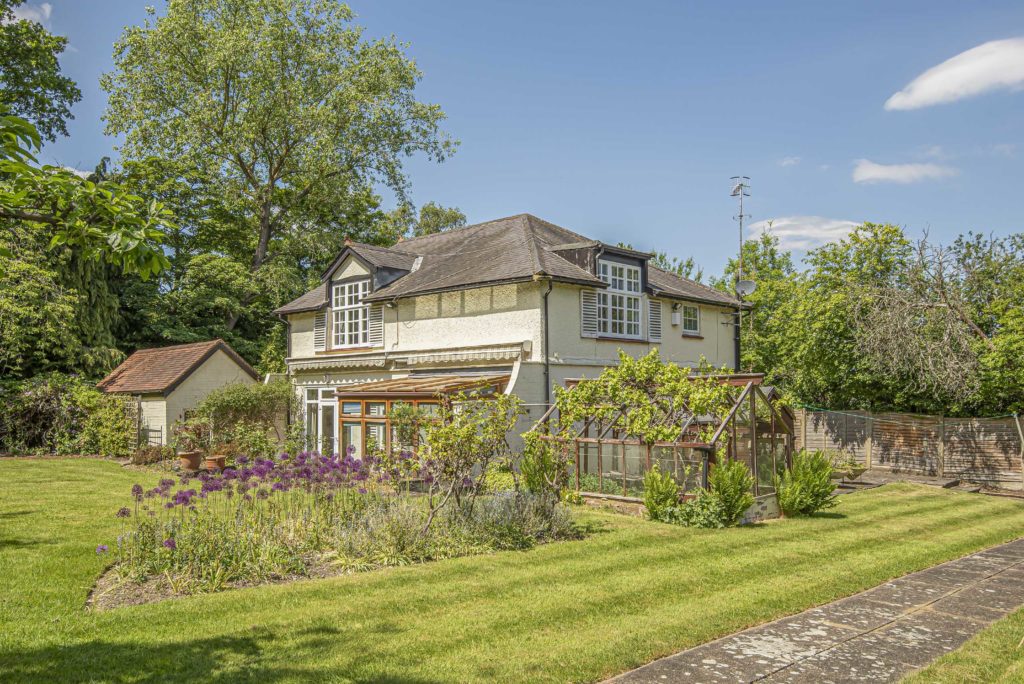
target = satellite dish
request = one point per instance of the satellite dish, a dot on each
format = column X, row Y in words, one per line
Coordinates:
column 746, row 287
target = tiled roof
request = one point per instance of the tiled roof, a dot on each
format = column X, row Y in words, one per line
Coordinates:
column 672, row 285
column 161, row 369
column 512, row 249
column 313, row 300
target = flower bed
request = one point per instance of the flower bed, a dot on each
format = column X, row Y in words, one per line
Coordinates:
column 310, row 515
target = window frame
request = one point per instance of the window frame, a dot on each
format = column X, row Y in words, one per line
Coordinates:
column 689, row 332
column 350, row 314
column 621, row 303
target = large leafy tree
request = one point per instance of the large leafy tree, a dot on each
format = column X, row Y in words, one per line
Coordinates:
column 766, row 323
column 280, row 110
column 31, row 85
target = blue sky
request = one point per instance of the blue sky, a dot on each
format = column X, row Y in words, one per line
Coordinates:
column 624, row 121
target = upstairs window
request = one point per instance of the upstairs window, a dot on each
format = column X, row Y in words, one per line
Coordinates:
column 618, row 307
column 351, row 317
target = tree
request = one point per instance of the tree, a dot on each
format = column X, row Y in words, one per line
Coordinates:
column 403, row 222
column 765, row 325
column 685, row 268
column 281, row 107
column 97, row 219
column 31, row 85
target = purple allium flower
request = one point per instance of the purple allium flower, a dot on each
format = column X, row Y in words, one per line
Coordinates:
column 467, row 482
column 362, row 490
column 242, row 459
column 137, row 492
column 124, row 512
column 277, row 487
column 350, row 449
column 102, row 548
column 170, row 544
column 230, row 474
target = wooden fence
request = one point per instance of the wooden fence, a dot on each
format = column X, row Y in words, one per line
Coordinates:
column 982, row 450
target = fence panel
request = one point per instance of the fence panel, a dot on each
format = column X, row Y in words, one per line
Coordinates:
column 982, row 450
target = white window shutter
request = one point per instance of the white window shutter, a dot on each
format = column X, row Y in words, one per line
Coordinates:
column 320, row 332
column 654, row 320
column 588, row 313
column 376, row 325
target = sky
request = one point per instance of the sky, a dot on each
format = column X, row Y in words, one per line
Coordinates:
column 625, row 121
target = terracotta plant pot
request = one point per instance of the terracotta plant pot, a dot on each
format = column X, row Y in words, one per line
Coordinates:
column 215, row 462
column 190, row 460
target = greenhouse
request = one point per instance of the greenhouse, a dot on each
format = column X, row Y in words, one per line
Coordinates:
column 608, row 456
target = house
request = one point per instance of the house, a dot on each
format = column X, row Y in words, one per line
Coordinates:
column 168, row 381
column 513, row 305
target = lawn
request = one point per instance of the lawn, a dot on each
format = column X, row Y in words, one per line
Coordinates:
column 572, row 611
column 995, row 655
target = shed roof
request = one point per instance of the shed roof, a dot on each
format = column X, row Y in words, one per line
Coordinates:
column 159, row 370
column 423, row 385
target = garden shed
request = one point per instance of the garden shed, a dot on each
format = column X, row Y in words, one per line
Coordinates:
column 168, row 381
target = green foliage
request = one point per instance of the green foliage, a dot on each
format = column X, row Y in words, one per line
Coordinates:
column 433, row 218
column 468, row 434
column 31, row 84
column 806, row 488
column 287, row 116
column 59, row 414
column 543, row 465
column 97, row 219
column 499, row 478
column 246, row 418
column 732, row 482
column 646, row 398
column 705, row 510
column 660, row 493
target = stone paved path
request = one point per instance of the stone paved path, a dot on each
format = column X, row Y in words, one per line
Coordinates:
column 875, row 636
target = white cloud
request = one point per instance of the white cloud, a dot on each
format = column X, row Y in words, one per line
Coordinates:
column 934, row 151
column 996, row 65
column 789, row 161
column 867, row 171
column 78, row 172
column 1004, row 149
column 40, row 13
column 804, row 232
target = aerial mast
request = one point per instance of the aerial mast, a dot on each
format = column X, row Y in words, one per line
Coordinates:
column 739, row 191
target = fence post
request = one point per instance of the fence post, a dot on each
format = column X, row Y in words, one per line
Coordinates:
column 869, row 441
column 804, row 444
column 942, row 446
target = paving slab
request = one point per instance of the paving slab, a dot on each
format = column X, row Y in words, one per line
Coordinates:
column 878, row 635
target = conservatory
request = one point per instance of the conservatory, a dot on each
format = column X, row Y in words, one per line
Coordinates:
column 748, row 424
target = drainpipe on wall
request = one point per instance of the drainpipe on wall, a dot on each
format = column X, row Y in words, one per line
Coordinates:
column 547, row 356
column 736, row 337
column 288, row 354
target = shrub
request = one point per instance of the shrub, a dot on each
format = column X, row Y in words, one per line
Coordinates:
column 542, row 468
column 660, row 492
column 807, row 487
column 498, row 478
column 62, row 414
column 251, row 417
column 731, row 482
column 705, row 510
column 149, row 455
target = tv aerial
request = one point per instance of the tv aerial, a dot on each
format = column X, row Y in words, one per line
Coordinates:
column 740, row 186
